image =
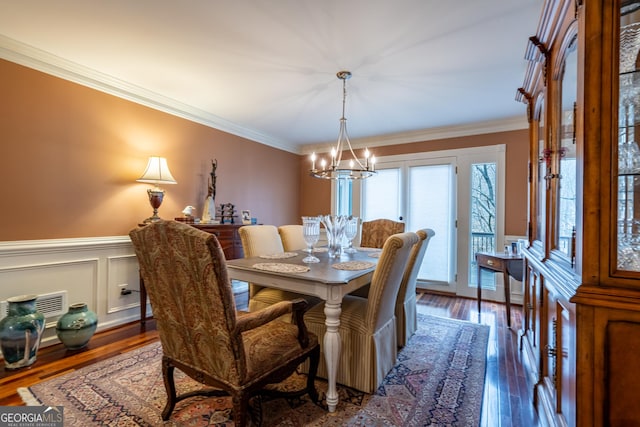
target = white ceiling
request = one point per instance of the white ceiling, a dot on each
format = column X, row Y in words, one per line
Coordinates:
column 266, row 69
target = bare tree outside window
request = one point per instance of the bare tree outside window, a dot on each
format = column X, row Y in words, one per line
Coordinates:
column 483, row 217
column 483, row 206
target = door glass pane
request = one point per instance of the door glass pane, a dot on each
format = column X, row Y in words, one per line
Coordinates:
column 430, row 201
column 628, row 195
column 343, row 198
column 567, row 152
column 381, row 195
column 483, row 219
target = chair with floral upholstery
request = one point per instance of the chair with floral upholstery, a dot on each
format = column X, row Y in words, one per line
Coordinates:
column 185, row 273
column 368, row 325
column 292, row 237
column 374, row 233
column 264, row 240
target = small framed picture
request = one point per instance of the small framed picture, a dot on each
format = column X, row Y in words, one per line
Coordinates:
column 246, row 217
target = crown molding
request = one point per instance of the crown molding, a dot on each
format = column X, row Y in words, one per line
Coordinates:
column 37, row 59
column 444, row 132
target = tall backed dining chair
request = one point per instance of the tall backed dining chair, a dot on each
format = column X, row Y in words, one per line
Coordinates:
column 406, row 317
column 185, row 273
column 368, row 325
column 265, row 240
column 374, row 233
column 292, row 237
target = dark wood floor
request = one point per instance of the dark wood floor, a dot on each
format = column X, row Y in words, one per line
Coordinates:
column 507, row 394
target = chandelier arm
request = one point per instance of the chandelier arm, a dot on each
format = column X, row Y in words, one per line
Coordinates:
column 351, row 150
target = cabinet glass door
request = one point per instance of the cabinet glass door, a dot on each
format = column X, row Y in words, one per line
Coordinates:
column 566, row 195
column 628, row 194
column 543, row 167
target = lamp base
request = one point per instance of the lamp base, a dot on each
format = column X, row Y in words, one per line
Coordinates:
column 156, row 196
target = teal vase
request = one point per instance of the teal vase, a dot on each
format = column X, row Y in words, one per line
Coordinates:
column 77, row 326
column 21, row 332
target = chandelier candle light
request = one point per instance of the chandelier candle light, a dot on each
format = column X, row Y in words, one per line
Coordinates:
column 357, row 169
column 157, row 172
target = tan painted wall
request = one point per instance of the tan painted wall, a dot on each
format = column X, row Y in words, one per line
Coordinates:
column 316, row 194
column 70, row 155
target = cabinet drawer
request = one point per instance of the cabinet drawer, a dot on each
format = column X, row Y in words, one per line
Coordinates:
column 492, row 263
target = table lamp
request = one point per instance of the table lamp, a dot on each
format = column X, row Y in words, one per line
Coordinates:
column 157, row 172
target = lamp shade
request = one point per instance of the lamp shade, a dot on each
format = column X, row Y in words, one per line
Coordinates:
column 157, row 172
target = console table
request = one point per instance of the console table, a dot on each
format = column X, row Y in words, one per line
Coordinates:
column 508, row 265
column 229, row 239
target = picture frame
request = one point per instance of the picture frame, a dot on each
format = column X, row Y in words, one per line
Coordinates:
column 246, row 217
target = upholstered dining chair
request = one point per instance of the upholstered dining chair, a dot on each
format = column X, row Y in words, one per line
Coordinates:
column 201, row 333
column 265, row 240
column 292, row 237
column 406, row 317
column 368, row 325
column 374, row 233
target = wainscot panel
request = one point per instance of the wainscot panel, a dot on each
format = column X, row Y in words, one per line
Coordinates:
column 101, row 272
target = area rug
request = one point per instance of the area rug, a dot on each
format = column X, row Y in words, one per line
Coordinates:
column 437, row 381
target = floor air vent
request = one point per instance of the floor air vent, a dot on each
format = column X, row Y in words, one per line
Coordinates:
column 51, row 305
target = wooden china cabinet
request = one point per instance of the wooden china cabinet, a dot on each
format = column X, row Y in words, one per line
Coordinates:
column 581, row 332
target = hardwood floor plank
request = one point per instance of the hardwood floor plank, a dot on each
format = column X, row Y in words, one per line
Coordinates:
column 507, row 399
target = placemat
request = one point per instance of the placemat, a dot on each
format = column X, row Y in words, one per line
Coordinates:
column 280, row 255
column 320, row 249
column 374, row 254
column 369, row 249
column 353, row 265
column 279, row 267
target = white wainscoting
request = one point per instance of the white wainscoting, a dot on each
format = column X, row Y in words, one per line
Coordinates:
column 90, row 270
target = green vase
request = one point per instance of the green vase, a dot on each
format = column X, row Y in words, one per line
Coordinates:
column 77, row 326
column 21, row 332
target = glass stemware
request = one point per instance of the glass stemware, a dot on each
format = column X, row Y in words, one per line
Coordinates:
column 311, row 233
column 350, row 232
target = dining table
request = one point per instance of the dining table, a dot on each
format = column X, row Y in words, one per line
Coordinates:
column 329, row 279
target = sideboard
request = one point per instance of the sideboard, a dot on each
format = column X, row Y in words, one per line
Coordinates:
column 228, row 237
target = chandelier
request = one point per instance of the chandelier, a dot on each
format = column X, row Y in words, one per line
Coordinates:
column 337, row 169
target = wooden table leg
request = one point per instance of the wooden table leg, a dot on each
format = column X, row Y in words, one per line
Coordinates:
column 507, row 296
column 332, row 349
column 143, row 302
column 479, row 291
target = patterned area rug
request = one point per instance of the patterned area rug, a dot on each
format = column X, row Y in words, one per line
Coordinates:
column 438, row 381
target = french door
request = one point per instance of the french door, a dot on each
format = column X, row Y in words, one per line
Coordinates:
column 457, row 193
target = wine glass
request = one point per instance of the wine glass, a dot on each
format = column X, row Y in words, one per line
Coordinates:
column 311, row 233
column 350, row 232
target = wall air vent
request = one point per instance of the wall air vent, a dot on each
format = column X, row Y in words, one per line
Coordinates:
column 51, row 305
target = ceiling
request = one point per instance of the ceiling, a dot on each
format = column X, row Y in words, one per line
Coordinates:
column 266, row 70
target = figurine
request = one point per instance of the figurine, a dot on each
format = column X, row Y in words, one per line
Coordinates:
column 188, row 211
column 209, row 211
